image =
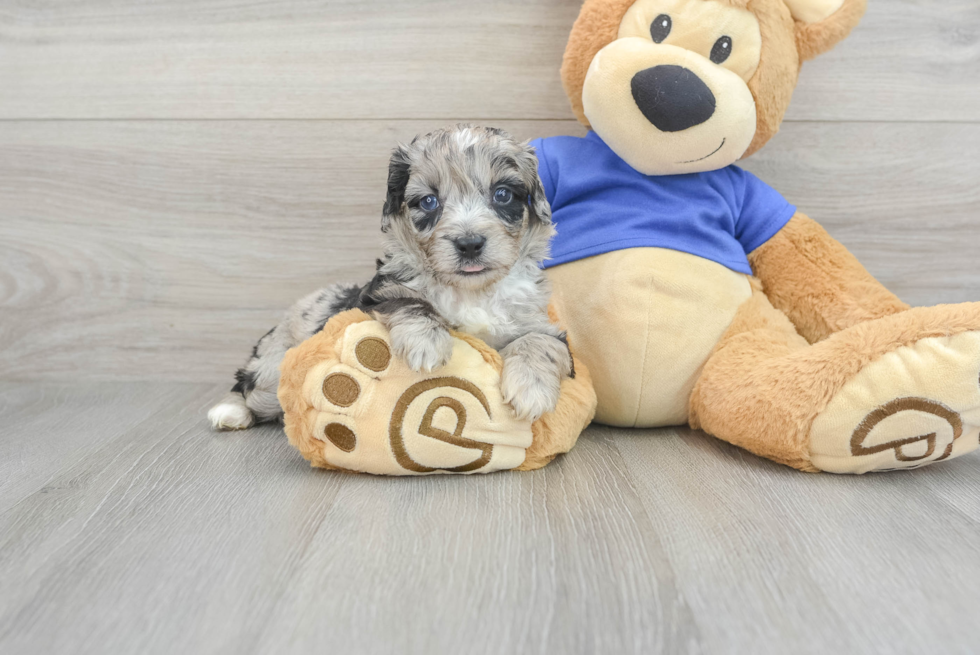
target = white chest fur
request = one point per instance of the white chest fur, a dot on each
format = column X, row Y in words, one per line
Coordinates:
column 497, row 316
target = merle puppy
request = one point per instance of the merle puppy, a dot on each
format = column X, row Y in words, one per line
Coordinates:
column 466, row 225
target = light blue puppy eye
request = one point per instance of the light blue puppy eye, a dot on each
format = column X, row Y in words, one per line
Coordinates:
column 429, row 203
column 503, row 196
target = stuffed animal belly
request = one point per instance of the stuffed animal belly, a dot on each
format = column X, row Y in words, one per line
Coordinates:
column 645, row 320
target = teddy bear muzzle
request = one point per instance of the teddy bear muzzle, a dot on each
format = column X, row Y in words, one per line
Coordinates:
column 666, row 110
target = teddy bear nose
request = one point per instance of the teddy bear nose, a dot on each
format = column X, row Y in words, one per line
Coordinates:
column 672, row 97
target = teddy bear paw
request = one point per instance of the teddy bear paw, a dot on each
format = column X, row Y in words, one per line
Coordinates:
column 368, row 411
column 914, row 406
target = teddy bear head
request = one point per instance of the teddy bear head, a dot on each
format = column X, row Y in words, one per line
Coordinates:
column 686, row 86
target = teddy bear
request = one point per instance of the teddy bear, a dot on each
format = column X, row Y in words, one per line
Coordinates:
column 692, row 292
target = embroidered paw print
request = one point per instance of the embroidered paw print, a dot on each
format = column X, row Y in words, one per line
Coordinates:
column 343, row 390
column 914, row 406
column 374, row 414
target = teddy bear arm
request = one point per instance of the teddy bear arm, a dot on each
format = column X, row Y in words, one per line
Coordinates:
column 817, row 282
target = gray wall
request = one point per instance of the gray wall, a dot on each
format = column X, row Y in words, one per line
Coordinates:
column 173, row 174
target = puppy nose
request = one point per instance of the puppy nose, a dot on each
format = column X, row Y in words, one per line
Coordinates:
column 672, row 98
column 470, row 245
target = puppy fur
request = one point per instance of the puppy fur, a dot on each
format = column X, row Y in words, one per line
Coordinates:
column 466, row 225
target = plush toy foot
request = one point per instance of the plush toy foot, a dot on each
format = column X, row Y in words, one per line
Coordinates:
column 350, row 404
column 913, row 406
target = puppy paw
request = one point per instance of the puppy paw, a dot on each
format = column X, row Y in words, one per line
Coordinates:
column 530, row 392
column 422, row 351
column 230, row 415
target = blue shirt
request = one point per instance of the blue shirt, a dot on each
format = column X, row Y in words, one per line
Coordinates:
column 599, row 204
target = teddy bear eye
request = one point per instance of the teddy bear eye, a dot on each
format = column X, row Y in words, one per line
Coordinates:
column 722, row 50
column 660, row 28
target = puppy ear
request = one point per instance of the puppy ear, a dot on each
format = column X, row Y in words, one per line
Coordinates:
column 822, row 24
column 538, row 202
column 399, row 170
column 537, row 199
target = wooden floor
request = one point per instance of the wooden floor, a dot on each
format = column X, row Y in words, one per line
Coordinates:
column 173, row 174
column 126, row 527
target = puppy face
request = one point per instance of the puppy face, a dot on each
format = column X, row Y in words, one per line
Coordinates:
column 466, row 204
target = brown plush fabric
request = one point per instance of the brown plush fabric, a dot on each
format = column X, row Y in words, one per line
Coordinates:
column 785, row 45
column 817, row 282
column 817, row 38
column 297, row 421
column 734, row 398
column 596, row 27
column 774, row 81
column 763, row 387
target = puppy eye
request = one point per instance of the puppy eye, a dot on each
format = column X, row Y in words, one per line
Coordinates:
column 660, row 29
column 429, row 203
column 503, row 196
column 722, row 50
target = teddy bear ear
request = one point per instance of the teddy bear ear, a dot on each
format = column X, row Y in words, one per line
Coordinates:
column 813, row 11
column 822, row 24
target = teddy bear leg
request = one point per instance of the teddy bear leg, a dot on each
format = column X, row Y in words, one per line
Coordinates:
column 897, row 392
column 817, row 283
column 731, row 400
column 911, row 396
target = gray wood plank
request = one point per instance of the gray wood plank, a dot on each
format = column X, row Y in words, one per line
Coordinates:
column 908, row 60
column 422, row 59
column 168, row 538
column 46, row 428
column 172, row 539
column 162, row 250
column 292, row 59
column 774, row 559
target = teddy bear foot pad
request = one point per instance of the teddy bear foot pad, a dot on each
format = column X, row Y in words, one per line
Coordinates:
column 914, row 406
column 368, row 412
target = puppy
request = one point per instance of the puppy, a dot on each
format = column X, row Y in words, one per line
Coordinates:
column 466, row 225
